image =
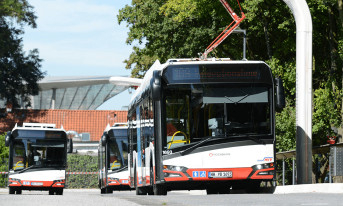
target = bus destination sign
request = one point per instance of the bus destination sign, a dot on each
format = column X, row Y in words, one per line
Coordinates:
column 212, row 73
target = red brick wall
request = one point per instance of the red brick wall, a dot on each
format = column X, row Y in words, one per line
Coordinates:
column 81, row 121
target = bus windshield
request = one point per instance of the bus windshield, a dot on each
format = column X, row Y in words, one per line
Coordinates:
column 118, row 148
column 198, row 111
column 28, row 153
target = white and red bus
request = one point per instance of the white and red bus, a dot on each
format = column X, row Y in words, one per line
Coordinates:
column 112, row 156
column 204, row 124
column 37, row 158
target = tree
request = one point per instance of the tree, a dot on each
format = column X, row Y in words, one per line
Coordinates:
column 19, row 72
column 182, row 28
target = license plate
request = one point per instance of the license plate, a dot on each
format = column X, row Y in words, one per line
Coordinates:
column 36, row 183
column 220, row 174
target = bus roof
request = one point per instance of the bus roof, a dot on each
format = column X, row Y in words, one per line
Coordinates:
column 160, row 67
column 38, row 126
column 119, row 125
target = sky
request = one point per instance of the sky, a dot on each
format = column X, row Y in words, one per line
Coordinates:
column 81, row 37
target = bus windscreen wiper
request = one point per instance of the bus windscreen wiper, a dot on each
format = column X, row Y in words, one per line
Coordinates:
column 235, row 102
column 119, row 169
column 186, row 151
column 23, row 170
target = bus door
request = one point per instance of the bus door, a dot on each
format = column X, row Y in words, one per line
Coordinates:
column 139, row 148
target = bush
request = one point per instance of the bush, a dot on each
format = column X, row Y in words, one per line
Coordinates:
column 4, row 152
column 82, row 163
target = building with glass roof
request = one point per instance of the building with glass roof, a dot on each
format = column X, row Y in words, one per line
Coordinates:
column 78, row 92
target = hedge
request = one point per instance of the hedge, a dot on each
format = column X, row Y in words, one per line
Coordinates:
column 82, row 163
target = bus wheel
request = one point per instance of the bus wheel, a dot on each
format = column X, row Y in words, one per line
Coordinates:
column 18, row 192
column 140, row 191
column 11, row 190
column 51, row 192
column 103, row 190
column 59, row 192
column 159, row 189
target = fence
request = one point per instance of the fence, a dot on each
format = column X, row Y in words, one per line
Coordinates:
column 321, row 160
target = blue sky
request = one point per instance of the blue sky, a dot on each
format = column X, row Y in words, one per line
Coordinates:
column 81, row 37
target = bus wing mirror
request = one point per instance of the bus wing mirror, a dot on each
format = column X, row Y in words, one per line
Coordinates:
column 70, row 146
column 280, row 94
column 8, row 139
column 156, row 86
column 103, row 140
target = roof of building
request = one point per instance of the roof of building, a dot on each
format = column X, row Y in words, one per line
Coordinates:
column 93, row 122
column 78, row 92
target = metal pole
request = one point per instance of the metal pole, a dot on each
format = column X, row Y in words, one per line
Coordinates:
column 293, row 174
column 330, row 160
column 244, row 40
column 303, row 21
column 283, row 171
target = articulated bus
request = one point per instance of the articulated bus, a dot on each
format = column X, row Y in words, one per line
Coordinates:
column 112, row 156
column 206, row 124
column 37, row 158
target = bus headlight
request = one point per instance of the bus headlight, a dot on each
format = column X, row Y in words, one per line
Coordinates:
column 58, row 182
column 263, row 166
column 112, row 179
column 14, row 181
column 174, row 168
column 173, row 171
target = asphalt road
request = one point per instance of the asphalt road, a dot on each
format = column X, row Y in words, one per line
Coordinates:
column 92, row 197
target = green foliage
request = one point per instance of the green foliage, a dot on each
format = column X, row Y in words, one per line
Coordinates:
column 327, row 113
column 82, row 163
column 4, row 153
column 18, row 71
column 21, row 10
column 285, row 129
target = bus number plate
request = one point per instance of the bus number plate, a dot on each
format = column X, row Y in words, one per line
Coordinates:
column 36, row 183
column 220, row 174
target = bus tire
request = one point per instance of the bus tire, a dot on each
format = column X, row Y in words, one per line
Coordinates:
column 59, row 191
column 103, row 190
column 51, row 192
column 18, row 192
column 11, row 190
column 159, row 189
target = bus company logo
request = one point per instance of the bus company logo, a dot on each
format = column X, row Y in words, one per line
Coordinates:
column 218, row 154
column 266, row 159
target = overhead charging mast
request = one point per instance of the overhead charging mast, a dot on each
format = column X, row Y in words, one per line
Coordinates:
column 228, row 30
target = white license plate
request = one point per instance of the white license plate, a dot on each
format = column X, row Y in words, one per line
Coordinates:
column 220, row 174
column 36, row 183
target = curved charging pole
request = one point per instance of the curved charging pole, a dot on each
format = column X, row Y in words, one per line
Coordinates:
column 303, row 22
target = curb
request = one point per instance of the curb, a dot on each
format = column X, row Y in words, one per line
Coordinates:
column 310, row 188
